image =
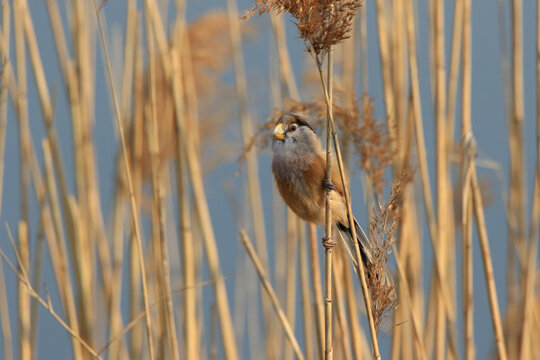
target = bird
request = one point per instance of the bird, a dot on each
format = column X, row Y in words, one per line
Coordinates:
column 299, row 169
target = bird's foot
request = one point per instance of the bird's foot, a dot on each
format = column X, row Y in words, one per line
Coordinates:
column 328, row 185
column 328, row 243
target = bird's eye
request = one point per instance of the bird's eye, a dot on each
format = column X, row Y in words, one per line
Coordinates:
column 293, row 127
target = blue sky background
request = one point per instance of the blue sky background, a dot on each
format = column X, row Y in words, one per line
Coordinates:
column 488, row 117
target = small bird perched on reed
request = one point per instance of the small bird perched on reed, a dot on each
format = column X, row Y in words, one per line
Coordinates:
column 299, row 168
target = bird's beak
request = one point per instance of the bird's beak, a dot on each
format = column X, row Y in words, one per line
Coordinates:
column 279, row 133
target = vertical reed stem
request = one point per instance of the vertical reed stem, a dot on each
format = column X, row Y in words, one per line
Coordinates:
column 443, row 188
column 134, row 214
column 285, row 69
column 360, row 267
column 421, row 354
column 488, row 267
column 453, row 75
column 25, row 351
column 358, row 344
column 189, row 310
column 4, row 56
column 294, row 233
column 25, row 345
column 328, row 243
column 306, row 301
column 468, row 158
column 517, row 204
column 254, row 186
column 341, row 262
column 203, row 213
column 363, row 50
column 4, row 318
column 317, row 291
column 528, row 336
column 159, row 198
column 384, row 54
column 271, row 294
column 22, row 110
column 4, row 78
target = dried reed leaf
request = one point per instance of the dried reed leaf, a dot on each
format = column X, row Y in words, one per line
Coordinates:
column 384, row 220
column 321, row 23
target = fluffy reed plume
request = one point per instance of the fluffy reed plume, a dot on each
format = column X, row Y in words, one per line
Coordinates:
column 321, row 23
column 211, row 51
column 384, row 220
column 372, row 142
column 208, row 58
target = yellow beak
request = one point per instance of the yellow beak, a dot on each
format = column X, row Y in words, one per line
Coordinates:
column 279, row 133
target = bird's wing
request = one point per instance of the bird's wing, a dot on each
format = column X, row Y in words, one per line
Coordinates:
column 365, row 249
column 346, row 235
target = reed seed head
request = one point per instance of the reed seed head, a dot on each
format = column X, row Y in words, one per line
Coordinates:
column 384, row 220
column 321, row 23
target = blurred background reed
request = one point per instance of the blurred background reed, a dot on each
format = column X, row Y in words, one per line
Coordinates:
column 139, row 216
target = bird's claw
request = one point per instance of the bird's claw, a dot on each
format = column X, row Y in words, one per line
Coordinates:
column 328, row 185
column 328, row 243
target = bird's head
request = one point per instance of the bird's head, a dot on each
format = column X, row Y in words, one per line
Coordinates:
column 294, row 134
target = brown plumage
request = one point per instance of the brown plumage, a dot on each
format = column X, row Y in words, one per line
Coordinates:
column 311, row 208
column 299, row 167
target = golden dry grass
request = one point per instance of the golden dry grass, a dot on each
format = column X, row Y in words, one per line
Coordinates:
column 173, row 110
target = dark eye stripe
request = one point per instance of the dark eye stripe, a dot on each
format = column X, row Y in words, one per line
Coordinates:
column 298, row 120
column 302, row 122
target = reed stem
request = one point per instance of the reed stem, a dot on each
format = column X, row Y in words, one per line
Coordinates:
column 421, row 354
column 360, row 267
column 189, row 311
column 134, row 213
column 317, row 291
column 253, row 182
column 7, row 336
column 488, row 267
column 4, row 79
column 468, row 158
column 306, row 300
column 328, row 243
column 271, row 294
column 203, row 213
column 527, row 335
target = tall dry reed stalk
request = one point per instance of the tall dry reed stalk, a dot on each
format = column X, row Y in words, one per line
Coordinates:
column 171, row 104
column 328, row 243
column 527, row 344
column 134, row 213
column 4, row 308
column 468, row 162
column 272, row 295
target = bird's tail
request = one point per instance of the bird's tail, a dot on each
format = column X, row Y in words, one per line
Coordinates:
column 365, row 248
